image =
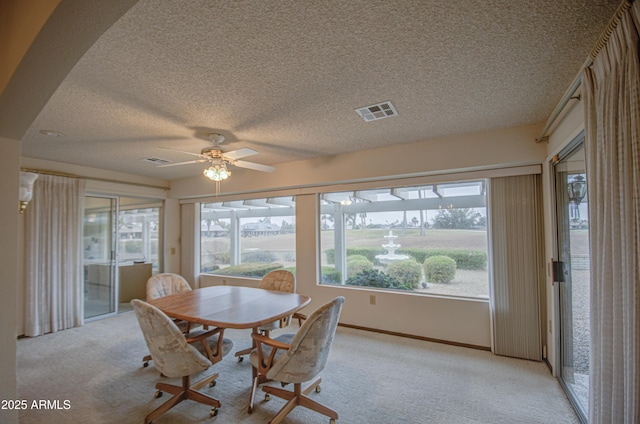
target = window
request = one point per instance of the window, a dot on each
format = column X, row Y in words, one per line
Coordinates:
column 429, row 239
column 139, row 232
column 248, row 238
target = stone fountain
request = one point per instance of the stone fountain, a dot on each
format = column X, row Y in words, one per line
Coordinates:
column 390, row 247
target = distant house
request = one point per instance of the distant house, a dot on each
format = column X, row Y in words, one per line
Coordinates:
column 257, row 229
column 213, row 230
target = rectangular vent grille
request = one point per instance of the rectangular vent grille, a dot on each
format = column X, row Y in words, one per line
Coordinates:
column 377, row 111
column 156, row 161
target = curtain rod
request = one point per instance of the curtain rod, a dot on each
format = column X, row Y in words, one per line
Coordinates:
column 577, row 81
column 104, row 180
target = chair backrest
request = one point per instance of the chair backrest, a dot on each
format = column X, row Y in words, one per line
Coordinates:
column 279, row 280
column 310, row 347
column 161, row 285
column 171, row 353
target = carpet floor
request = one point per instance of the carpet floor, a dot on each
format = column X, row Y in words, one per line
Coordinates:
column 94, row 374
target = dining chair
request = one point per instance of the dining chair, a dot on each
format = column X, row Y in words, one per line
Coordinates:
column 161, row 285
column 278, row 280
column 297, row 358
column 174, row 357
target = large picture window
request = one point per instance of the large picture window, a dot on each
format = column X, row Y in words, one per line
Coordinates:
column 429, row 239
column 248, row 238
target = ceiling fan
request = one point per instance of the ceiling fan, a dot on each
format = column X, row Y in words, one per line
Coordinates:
column 220, row 160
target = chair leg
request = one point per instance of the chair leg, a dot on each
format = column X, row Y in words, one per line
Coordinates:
column 298, row 397
column 256, row 380
column 145, row 361
column 239, row 354
column 181, row 393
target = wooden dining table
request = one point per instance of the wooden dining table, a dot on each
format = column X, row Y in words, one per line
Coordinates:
column 231, row 306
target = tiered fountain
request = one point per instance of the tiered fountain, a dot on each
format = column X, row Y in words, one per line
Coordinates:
column 390, row 247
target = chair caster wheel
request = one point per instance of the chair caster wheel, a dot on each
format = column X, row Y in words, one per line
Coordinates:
column 318, row 389
column 145, row 365
column 214, row 412
column 158, row 394
column 212, row 384
column 267, row 397
column 240, row 358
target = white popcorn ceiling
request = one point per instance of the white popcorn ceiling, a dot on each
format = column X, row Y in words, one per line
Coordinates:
column 285, row 77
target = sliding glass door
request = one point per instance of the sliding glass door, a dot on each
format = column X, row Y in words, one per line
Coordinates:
column 99, row 256
column 572, row 275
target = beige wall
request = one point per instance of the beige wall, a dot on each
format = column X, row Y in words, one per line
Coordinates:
column 9, row 177
column 449, row 319
column 500, row 148
column 20, row 22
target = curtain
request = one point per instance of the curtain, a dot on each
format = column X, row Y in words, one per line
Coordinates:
column 517, row 266
column 53, row 252
column 612, row 145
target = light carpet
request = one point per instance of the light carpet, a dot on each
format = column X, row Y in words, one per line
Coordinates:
column 370, row 378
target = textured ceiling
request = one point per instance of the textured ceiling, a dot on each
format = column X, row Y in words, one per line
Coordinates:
column 285, row 77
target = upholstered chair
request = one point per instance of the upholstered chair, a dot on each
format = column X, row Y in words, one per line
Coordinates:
column 161, row 285
column 174, row 357
column 297, row 358
column 278, row 280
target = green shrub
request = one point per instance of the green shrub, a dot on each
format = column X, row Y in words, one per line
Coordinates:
column 250, row 269
column 257, row 256
column 407, row 271
column 375, row 278
column 368, row 252
column 439, row 269
column 331, row 275
column 356, row 264
column 133, row 246
column 465, row 259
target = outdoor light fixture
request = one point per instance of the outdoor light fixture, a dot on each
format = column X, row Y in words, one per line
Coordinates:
column 26, row 189
column 577, row 189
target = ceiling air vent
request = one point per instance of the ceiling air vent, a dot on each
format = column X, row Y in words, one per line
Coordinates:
column 377, row 111
column 156, row 161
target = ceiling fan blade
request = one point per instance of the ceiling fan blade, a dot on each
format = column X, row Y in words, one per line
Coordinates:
column 182, row 163
column 181, row 151
column 240, row 153
column 254, row 166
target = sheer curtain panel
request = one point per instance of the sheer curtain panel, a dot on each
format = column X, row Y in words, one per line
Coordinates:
column 518, row 266
column 53, row 255
column 612, row 143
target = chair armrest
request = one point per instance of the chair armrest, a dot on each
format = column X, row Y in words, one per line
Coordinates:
column 265, row 363
column 269, row 341
column 204, row 335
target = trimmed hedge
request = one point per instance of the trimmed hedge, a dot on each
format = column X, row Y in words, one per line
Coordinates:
column 407, row 271
column 439, row 269
column 250, row 269
column 465, row 259
column 375, row 278
column 356, row 264
column 331, row 275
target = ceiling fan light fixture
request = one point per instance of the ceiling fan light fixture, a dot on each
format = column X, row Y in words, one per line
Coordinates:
column 217, row 172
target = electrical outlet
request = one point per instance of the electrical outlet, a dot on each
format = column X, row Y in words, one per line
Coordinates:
column 372, row 299
column 224, row 282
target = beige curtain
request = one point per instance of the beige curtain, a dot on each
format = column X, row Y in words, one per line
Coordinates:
column 612, row 143
column 53, row 252
column 517, row 266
